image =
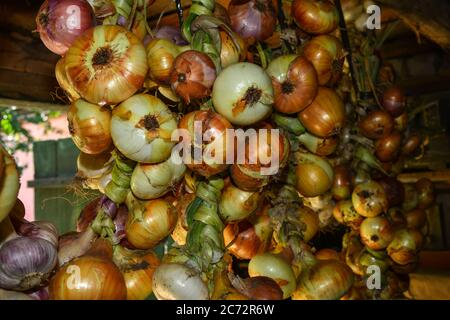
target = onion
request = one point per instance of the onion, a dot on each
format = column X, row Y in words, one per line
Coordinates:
column 173, row 281
column 9, row 183
column 258, row 288
column 411, row 144
column 369, row 199
column 161, row 54
column 74, row 245
column 315, row 17
column 314, row 175
column 60, row 22
column 151, row 181
column 89, row 125
column 394, row 190
column 294, row 81
column 425, row 192
column 405, row 246
column 179, row 233
column 236, row 204
column 326, row 54
column 243, row 94
column 401, row 122
column 394, row 101
column 231, row 53
column 213, row 131
column 411, row 198
column 326, row 280
column 91, row 277
column 325, row 116
column 341, row 188
column 396, row 218
column 367, row 260
column 376, row 124
column 137, row 268
column 327, row 254
column 252, row 19
column 141, row 128
column 63, row 81
column 376, row 233
column 345, row 213
column 416, row 218
column 192, row 76
column 149, row 222
column 94, row 166
column 171, row 33
column 276, row 268
column 388, row 147
column 106, row 65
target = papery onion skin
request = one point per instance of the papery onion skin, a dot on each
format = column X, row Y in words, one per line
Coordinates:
column 229, row 53
column 275, row 267
column 369, row 199
column 173, row 281
column 243, row 94
column 326, row 54
column 377, row 124
column 295, row 83
column 89, row 125
column 149, row 222
column 179, row 233
column 107, row 64
column 252, row 19
column 314, row 175
column 64, row 82
column 315, row 17
column 326, row 280
column 258, row 288
column 61, row 22
column 325, row 116
column 376, row 233
column 192, row 75
column 141, row 128
column 236, row 204
column 214, row 148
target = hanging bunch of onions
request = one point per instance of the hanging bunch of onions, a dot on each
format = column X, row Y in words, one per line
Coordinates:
column 61, row 22
column 206, row 142
column 106, row 64
column 294, row 81
column 89, row 125
column 315, row 17
column 243, row 94
column 9, row 183
column 252, row 19
column 326, row 54
column 93, row 276
column 141, row 128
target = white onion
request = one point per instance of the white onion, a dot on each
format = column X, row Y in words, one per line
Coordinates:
column 173, row 281
column 233, row 84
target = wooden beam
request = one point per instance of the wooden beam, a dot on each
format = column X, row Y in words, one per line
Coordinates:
column 419, row 85
column 442, row 176
column 31, row 105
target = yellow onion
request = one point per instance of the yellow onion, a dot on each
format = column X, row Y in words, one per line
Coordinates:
column 229, row 52
column 369, row 199
column 106, row 64
column 416, row 218
column 93, row 276
column 425, row 192
column 314, row 175
column 236, row 204
column 9, row 183
column 294, row 82
column 274, row 267
column 315, row 17
column 411, row 144
column 63, row 81
column 161, row 54
column 345, row 213
column 376, row 233
column 137, row 267
column 341, row 188
column 405, row 246
column 326, row 280
column 179, row 233
column 206, row 156
column 310, row 222
column 149, row 222
column 376, row 124
column 367, row 260
column 89, row 126
column 151, row 181
column 388, row 147
column 326, row 54
column 94, row 166
column 411, row 200
column 327, row 254
column 325, row 116
column 141, row 128
column 248, row 237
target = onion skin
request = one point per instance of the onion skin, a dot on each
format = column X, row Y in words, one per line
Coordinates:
column 192, row 76
column 341, row 188
column 377, row 124
column 326, row 280
column 315, row 17
column 327, row 254
column 388, row 148
column 258, row 288
column 369, row 199
column 55, row 23
column 425, row 192
column 416, row 218
column 106, row 65
column 89, row 125
column 294, row 81
column 63, row 81
column 236, row 204
column 394, row 101
column 405, row 245
column 314, row 175
column 326, row 54
column 411, row 144
column 325, row 116
column 345, row 213
column 229, row 53
column 411, row 198
column 394, row 190
column 252, row 19
column 179, row 233
column 376, row 233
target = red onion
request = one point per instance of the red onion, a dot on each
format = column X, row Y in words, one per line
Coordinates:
column 119, row 223
column 60, row 22
column 170, row 33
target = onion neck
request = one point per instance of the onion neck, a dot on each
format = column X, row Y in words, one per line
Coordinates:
column 290, row 124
